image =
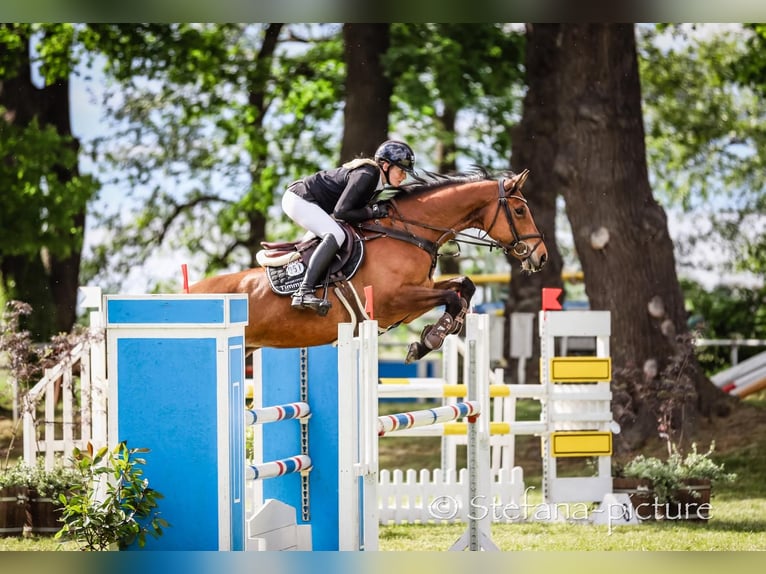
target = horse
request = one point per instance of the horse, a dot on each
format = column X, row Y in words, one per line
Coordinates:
column 400, row 256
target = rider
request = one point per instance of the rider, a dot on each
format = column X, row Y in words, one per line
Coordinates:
column 319, row 201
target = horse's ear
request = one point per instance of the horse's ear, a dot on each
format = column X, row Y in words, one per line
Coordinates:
column 517, row 181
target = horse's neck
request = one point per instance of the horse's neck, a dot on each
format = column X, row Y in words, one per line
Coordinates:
column 456, row 207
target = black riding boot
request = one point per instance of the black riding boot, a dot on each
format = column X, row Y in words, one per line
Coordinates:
column 304, row 297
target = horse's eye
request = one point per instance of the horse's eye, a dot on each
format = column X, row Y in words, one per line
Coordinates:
column 520, row 211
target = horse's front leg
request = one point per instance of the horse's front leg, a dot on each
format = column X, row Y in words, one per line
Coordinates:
column 456, row 295
column 465, row 289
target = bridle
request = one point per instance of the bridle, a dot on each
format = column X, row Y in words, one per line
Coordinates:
column 517, row 247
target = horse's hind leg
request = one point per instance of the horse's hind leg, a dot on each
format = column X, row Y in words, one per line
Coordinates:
column 457, row 294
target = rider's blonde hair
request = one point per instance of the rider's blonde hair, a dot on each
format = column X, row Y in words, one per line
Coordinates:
column 360, row 161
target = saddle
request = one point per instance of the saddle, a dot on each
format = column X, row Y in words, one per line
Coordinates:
column 286, row 262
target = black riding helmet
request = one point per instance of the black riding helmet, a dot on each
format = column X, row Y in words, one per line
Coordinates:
column 396, row 153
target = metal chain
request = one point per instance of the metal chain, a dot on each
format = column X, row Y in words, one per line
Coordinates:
column 304, row 394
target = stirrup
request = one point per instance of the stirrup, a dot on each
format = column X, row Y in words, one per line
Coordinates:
column 310, row 301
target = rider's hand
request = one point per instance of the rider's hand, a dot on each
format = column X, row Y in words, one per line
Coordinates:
column 380, row 209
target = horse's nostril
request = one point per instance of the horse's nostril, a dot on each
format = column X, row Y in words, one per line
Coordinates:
column 543, row 259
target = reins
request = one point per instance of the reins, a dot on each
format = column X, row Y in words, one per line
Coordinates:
column 449, row 234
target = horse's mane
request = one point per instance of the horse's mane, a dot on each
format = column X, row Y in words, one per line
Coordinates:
column 425, row 181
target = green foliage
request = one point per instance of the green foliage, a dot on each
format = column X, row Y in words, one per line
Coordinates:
column 701, row 465
column 725, row 312
column 112, row 503
column 43, row 199
column 441, row 69
column 750, row 67
column 13, row 46
column 55, row 482
column 225, row 116
column 705, row 132
column 706, row 129
column 669, row 474
column 19, row 474
column 38, row 207
column 47, row 483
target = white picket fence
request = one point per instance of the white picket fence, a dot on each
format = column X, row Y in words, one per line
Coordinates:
column 78, row 384
column 441, row 496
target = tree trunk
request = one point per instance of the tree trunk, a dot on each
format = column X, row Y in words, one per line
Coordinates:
column 445, row 158
column 620, row 231
column 48, row 283
column 534, row 145
column 258, row 100
column 64, row 272
column 368, row 90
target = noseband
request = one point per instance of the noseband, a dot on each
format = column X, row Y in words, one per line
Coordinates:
column 517, row 247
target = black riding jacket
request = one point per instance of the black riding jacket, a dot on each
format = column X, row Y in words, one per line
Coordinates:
column 344, row 193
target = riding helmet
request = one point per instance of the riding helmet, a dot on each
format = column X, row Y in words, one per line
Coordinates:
column 397, row 153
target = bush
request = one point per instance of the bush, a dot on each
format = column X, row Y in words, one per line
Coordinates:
column 113, row 503
column 668, row 475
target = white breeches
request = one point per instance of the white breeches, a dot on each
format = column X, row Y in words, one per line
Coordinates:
column 312, row 217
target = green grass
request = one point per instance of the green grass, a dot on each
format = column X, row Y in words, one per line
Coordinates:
column 35, row 543
column 729, row 532
column 738, row 520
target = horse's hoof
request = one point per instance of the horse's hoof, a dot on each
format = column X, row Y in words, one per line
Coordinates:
column 413, row 354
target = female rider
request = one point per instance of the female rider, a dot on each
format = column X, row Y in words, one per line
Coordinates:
column 319, row 201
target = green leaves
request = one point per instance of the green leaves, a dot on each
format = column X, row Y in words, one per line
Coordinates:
column 668, row 475
column 113, row 503
column 39, row 208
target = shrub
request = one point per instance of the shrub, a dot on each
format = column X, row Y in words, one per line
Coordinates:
column 668, row 475
column 113, row 503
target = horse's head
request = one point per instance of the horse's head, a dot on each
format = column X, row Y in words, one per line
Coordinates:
column 521, row 237
column 445, row 205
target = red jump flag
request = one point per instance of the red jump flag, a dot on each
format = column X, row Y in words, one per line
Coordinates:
column 185, row 273
column 369, row 305
column 551, row 299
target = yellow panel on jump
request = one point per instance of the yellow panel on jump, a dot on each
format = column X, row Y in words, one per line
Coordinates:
column 581, row 443
column 581, row 369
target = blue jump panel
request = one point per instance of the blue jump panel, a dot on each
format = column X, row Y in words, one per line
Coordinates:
column 167, row 402
column 175, row 311
column 281, row 384
column 177, row 384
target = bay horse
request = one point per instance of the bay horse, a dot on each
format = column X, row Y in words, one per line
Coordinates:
column 400, row 255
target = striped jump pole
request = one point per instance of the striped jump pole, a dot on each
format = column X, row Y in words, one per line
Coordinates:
column 299, row 410
column 413, row 419
column 275, row 468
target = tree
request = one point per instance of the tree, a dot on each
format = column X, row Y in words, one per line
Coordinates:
column 534, row 145
column 215, row 120
column 705, row 135
column 44, row 197
column 620, row 231
column 443, row 71
column 368, row 89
